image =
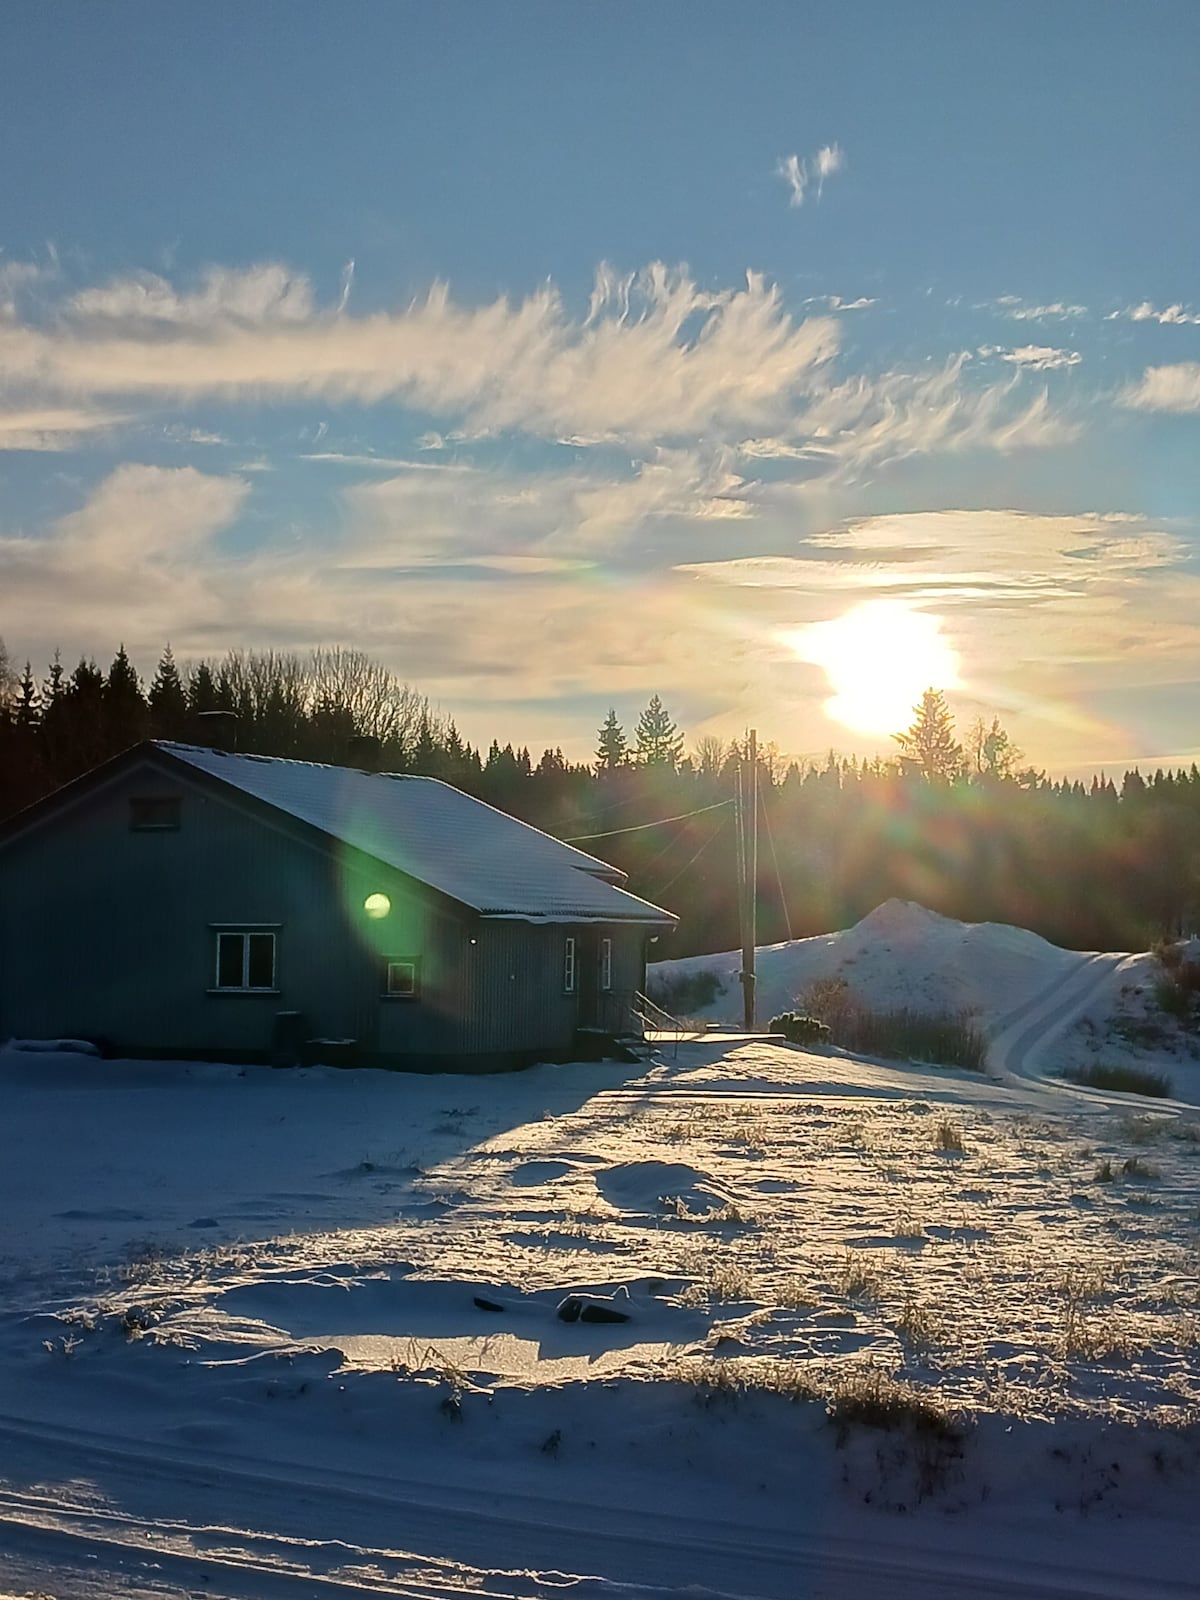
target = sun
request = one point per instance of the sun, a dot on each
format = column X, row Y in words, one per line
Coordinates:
column 879, row 659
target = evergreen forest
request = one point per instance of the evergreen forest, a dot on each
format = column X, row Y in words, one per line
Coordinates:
column 954, row 821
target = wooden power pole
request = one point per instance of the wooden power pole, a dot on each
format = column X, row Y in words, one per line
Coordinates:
column 748, row 873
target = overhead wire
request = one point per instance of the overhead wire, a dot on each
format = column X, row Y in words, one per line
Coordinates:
column 639, row 827
column 693, row 859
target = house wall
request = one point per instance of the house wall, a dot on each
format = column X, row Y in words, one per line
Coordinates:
column 513, row 989
column 109, row 932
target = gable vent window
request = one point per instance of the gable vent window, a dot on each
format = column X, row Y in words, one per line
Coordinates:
column 154, row 814
column 245, row 961
column 569, row 967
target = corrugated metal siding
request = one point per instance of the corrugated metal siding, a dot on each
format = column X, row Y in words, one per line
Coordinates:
column 516, row 986
column 104, row 931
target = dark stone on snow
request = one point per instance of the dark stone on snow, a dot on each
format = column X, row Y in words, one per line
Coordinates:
column 487, row 1305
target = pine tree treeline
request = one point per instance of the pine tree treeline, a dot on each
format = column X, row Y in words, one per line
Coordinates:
column 959, row 827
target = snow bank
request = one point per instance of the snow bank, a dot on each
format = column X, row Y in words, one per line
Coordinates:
column 900, row 954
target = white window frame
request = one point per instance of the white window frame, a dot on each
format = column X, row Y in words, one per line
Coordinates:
column 245, row 934
column 605, row 966
column 570, row 965
column 389, row 965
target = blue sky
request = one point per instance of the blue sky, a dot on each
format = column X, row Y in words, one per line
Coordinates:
column 561, row 354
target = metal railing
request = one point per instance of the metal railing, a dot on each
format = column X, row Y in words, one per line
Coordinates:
column 648, row 1017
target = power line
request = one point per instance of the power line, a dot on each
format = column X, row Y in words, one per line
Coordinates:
column 659, row 892
column 638, row 827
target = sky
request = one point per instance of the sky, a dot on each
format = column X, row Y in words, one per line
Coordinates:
column 781, row 360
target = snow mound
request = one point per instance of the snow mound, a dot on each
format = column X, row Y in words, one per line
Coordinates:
column 642, row 1187
column 900, row 955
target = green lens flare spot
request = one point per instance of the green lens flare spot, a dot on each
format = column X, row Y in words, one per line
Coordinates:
column 377, row 905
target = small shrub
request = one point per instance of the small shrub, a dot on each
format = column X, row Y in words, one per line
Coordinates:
column 946, row 1039
column 683, row 992
column 861, row 1277
column 1104, row 1171
column 1168, row 955
column 1130, row 1080
column 797, row 1028
column 875, row 1399
column 1144, row 1033
column 947, row 1137
column 917, row 1325
column 1173, row 997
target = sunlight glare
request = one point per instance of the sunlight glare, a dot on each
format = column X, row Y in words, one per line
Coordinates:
column 879, row 659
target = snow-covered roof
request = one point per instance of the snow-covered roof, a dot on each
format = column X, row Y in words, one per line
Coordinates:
column 468, row 850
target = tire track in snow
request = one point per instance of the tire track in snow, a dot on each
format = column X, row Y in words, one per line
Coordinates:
column 1023, row 1034
column 68, row 1542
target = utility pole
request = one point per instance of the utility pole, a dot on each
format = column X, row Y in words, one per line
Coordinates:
column 748, row 872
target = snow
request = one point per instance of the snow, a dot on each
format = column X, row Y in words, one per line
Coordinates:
column 242, row 1350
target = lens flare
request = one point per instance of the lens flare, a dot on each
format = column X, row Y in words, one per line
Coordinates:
column 377, row 906
column 879, row 659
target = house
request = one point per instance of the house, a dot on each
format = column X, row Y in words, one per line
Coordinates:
column 194, row 903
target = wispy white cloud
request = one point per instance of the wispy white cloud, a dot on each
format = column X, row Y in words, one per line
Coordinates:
column 52, row 427
column 16, row 277
column 225, row 296
column 156, row 522
column 1172, row 388
column 656, row 363
column 870, row 421
column 347, row 284
column 1033, row 357
column 801, row 173
column 1021, row 311
column 1146, row 312
column 655, row 357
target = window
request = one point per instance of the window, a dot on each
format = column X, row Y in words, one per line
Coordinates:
column 606, row 964
column 154, row 814
column 400, row 979
column 569, row 967
column 246, row 961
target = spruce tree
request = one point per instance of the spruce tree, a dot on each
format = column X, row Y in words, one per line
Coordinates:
column 659, row 741
column 126, row 715
column 929, row 746
column 168, row 700
column 612, row 751
column 27, row 712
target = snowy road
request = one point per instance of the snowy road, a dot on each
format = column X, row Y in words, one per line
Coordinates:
column 1023, row 1034
column 325, row 1535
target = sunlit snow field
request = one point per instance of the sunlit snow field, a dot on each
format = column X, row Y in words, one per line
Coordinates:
column 246, row 1261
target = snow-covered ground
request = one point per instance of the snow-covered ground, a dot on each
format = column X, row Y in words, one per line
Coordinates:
column 890, row 1328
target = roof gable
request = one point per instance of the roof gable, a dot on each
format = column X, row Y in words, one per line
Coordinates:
column 435, row 834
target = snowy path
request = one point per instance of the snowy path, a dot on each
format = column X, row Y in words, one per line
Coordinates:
column 1025, row 1033
column 262, row 1532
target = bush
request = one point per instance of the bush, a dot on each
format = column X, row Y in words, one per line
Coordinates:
column 684, row 992
column 947, row 1039
column 1132, row 1080
column 799, row 1029
column 1173, row 997
column 1168, row 954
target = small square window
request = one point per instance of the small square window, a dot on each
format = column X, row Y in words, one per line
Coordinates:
column 154, row 814
column 569, row 967
column 400, row 979
column 245, row 960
